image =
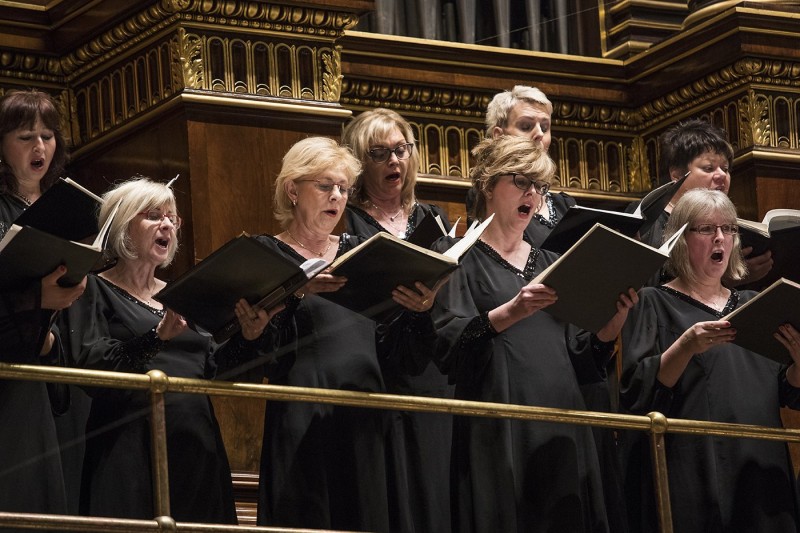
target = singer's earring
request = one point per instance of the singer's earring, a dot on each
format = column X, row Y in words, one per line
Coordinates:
column 294, row 203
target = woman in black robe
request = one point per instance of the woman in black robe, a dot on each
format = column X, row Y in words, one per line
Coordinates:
column 498, row 346
column 32, row 156
column 325, row 466
column 118, row 325
column 679, row 360
column 384, row 142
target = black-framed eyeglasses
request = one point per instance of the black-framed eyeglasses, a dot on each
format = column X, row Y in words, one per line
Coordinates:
column 381, row 154
column 157, row 215
column 521, row 181
column 711, row 229
column 327, row 186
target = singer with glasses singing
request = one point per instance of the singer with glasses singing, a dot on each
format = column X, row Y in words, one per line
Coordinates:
column 678, row 359
column 498, row 345
column 700, row 152
column 384, row 200
column 119, row 325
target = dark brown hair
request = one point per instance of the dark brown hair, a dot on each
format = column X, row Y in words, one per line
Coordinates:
column 20, row 109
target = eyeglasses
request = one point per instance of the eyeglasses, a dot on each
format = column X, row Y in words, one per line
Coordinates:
column 523, row 182
column 156, row 215
column 327, row 186
column 381, row 154
column 711, row 229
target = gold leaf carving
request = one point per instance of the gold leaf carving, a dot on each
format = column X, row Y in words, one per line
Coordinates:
column 332, row 75
column 638, row 166
column 754, row 120
column 188, row 69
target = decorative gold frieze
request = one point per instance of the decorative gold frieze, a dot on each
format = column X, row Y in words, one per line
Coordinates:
column 417, row 99
column 583, row 115
column 772, row 72
column 266, row 16
column 444, row 150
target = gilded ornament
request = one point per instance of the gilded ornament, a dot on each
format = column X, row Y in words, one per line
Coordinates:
column 638, row 166
column 332, row 75
column 754, row 120
column 188, row 70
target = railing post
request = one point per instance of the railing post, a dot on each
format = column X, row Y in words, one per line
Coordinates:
column 158, row 443
column 658, row 430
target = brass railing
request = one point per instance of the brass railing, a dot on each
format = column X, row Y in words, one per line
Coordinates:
column 158, row 383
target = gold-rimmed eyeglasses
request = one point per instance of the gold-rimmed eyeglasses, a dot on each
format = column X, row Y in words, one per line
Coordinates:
column 327, row 186
column 157, row 215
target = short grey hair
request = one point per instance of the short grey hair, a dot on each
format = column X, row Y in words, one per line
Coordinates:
column 500, row 107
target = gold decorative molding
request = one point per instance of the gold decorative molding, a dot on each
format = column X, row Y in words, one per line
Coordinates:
column 638, row 166
column 239, row 16
column 332, row 74
column 753, row 122
column 725, row 81
column 451, row 102
column 188, row 69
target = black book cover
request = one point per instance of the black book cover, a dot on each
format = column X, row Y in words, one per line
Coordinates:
column 242, row 268
column 758, row 319
column 578, row 219
column 28, row 254
column 590, row 276
column 66, row 210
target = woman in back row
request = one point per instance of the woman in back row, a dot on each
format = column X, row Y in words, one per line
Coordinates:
column 383, row 200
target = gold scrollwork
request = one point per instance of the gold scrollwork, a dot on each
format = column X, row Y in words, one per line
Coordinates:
column 754, row 124
column 188, row 69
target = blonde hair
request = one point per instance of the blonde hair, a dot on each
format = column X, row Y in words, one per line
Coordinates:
column 135, row 195
column 368, row 128
column 310, row 158
column 507, row 154
column 692, row 206
column 500, row 107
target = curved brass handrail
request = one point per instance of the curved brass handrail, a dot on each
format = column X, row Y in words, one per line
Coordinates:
column 158, row 383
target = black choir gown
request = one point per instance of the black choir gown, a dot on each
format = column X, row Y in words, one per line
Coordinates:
column 111, row 330
column 31, row 476
column 511, row 475
column 325, row 466
column 540, row 227
column 717, row 484
column 425, row 437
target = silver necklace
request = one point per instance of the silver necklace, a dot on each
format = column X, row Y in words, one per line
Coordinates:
column 384, row 213
column 304, row 247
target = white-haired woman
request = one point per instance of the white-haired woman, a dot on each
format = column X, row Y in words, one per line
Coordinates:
column 324, row 466
column 118, row 325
